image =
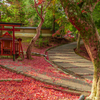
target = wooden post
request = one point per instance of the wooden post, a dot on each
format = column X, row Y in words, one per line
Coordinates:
column 1, row 47
column 19, row 46
column 13, row 44
column 11, row 47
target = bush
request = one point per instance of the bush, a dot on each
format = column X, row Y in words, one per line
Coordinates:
column 10, row 32
column 42, row 42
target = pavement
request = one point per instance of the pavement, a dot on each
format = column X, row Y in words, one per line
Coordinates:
column 63, row 58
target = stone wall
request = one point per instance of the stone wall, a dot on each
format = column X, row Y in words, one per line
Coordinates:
column 31, row 31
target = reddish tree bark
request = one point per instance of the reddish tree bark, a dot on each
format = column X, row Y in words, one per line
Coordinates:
column 42, row 16
column 83, row 22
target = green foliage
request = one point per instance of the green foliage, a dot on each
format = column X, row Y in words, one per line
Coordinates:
column 46, row 42
column 96, row 15
column 23, row 11
column 48, row 19
column 42, row 42
column 10, row 32
column 18, row 11
column 98, row 30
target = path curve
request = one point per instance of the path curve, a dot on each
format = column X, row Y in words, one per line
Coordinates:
column 66, row 59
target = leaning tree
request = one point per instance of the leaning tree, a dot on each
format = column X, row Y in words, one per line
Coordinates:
column 79, row 13
column 40, row 6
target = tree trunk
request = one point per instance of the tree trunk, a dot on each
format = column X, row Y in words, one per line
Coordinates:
column 78, row 41
column 95, row 91
column 93, row 50
column 29, row 49
column 42, row 16
column 89, row 34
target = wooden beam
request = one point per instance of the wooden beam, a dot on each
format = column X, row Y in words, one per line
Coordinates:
column 6, row 29
column 13, row 43
column 10, row 24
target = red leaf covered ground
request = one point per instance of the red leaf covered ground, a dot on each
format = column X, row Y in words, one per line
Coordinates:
column 28, row 88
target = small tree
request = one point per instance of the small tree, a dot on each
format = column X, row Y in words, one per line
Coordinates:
column 42, row 6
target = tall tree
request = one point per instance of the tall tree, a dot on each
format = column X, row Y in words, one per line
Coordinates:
column 42, row 5
column 79, row 13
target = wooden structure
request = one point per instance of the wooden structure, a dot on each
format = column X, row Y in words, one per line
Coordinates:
column 9, row 45
column 6, row 45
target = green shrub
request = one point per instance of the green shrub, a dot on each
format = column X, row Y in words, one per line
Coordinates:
column 46, row 42
column 10, row 32
column 42, row 42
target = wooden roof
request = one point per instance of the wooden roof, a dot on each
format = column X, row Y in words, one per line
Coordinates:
column 10, row 24
column 7, row 34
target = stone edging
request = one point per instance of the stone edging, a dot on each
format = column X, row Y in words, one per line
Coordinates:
column 77, row 92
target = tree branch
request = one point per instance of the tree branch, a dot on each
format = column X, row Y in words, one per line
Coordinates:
column 40, row 15
column 92, row 7
column 48, row 4
column 36, row 9
column 41, row 9
column 95, row 5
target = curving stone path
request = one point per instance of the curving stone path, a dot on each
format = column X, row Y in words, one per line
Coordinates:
column 66, row 59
